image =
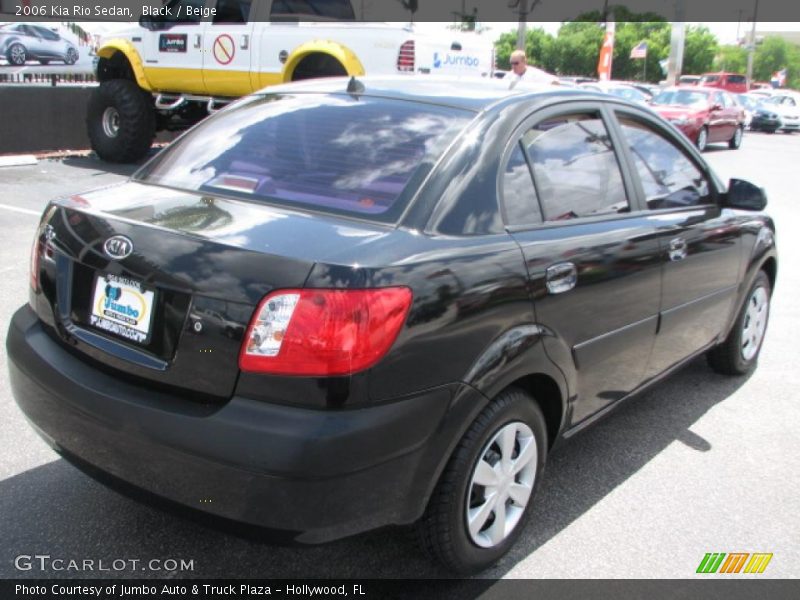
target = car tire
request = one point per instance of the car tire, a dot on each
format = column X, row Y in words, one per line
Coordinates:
column 702, row 139
column 17, row 54
column 72, row 57
column 444, row 532
column 121, row 121
column 736, row 141
column 738, row 354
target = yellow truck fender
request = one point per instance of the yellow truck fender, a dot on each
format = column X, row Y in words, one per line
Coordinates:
column 342, row 53
column 111, row 47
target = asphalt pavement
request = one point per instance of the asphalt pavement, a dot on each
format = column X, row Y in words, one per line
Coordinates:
column 702, row 463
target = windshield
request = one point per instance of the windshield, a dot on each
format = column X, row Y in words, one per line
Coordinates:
column 631, row 94
column 681, row 98
column 344, row 154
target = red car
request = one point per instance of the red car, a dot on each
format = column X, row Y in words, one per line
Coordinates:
column 731, row 82
column 704, row 115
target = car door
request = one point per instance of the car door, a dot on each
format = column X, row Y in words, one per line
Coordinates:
column 51, row 43
column 591, row 253
column 174, row 49
column 33, row 41
column 700, row 253
column 227, row 49
column 718, row 128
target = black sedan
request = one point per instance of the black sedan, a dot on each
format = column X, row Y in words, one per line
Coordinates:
column 765, row 119
column 337, row 305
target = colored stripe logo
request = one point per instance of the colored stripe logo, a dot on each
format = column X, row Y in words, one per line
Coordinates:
column 734, row 562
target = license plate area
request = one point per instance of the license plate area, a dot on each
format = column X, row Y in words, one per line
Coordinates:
column 123, row 307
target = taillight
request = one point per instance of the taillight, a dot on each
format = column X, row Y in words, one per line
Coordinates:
column 406, row 56
column 36, row 251
column 323, row 332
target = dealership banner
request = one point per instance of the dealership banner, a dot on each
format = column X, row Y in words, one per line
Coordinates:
column 369, row 589
column 400, row 10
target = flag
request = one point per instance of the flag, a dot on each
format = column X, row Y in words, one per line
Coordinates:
column 639, row 51
column 780, row 77
column 606, row 53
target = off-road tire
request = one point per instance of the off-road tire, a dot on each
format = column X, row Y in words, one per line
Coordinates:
column 137, row 122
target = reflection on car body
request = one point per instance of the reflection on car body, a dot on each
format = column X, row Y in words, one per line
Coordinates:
column 384, row 302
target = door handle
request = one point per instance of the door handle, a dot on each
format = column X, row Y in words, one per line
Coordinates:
column 198, row 40
column 245, row 42
column 677, row 249
column 561, row 277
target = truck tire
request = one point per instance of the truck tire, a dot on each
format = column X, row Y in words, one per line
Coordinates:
column 121, row 121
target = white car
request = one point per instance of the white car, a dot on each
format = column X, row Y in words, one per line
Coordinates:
column 787, row 105
column 21, row 42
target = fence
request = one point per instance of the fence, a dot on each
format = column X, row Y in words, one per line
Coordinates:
column 52, row 79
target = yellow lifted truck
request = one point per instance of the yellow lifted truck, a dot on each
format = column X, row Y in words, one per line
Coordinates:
column 192, row 57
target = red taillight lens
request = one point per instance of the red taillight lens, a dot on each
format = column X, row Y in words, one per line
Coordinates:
column 320, row 333
column 406, row 56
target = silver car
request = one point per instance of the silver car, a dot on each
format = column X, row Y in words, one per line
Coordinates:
column 20, row 42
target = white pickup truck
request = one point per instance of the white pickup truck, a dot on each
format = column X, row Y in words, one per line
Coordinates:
column 195, row 56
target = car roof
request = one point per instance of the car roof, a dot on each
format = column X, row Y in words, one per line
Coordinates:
column 467, row 93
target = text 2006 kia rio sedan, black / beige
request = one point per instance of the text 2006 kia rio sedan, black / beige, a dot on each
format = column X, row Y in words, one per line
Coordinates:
column 338, row 305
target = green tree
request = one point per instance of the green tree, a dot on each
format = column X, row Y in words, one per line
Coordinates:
column 538, row 49
column 730, row 58
column 775, row 54
column 577, row 48
column 699, row 50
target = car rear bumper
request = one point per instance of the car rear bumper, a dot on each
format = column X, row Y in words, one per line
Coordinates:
column 318, row 475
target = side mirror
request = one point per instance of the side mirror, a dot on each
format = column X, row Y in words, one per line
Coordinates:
column 745, row 196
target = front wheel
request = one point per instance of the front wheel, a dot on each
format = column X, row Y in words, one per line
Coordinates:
column 736, row 140
column 702, row 139
column 121, row 121
column 484, row 496
column 738, row 354
column 17, row 54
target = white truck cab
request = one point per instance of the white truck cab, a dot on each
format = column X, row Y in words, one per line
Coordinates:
column 193, row 56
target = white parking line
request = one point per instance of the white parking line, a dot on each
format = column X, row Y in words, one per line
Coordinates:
column 24, row 211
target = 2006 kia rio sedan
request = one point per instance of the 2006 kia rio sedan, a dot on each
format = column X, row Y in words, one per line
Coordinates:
column 340, row 304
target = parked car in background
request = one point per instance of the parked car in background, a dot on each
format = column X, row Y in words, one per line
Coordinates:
column 348, row 303
column 21, row 42
column 749, row 104
column 575, row 80
column 766, row 118
column 704, row 115
column 731, row 82
column 618, row 89
column 688, row 79
column 787, row 106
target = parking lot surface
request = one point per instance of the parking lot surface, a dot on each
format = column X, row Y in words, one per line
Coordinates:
column 702, row 463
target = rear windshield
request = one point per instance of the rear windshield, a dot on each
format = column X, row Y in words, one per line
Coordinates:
column 352, row 155
column 681, row 97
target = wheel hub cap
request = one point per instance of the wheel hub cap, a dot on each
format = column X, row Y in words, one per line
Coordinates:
column 111, row 122
column 501, row 484
column 755, row 323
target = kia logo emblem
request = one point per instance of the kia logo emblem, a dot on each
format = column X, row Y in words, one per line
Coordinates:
column 118, row 247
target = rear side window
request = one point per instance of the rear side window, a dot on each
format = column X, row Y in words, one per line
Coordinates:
column 350, row 155
column 575, row 169
column 736, row 78
column 669, row 178
column 519, row 195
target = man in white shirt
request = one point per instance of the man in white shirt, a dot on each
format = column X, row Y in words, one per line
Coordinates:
column 521, row 71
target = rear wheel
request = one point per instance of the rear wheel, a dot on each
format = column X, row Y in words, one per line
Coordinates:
column 72, row 56
column 702, row 139
column 736, row 140
column 738, row 354
column 318, row 65
column 121, row 121
column 16, row 54
column 481, row 503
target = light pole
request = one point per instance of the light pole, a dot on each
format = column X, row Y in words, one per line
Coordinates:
column 751, row 50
